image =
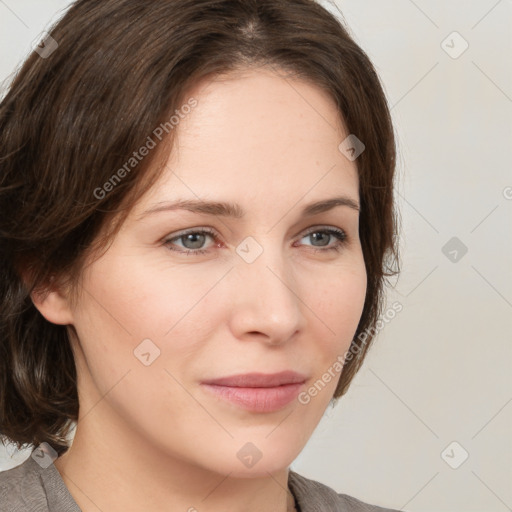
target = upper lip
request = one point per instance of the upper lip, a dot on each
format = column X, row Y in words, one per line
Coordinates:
column 258, row 380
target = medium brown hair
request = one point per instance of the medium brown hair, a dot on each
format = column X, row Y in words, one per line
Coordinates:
column 71, row 120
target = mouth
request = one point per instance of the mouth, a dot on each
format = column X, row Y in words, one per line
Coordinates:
column 257, row 392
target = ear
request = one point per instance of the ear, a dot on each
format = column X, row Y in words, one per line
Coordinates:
column 53, row 305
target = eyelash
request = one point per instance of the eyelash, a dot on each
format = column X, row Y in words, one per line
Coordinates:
column 337, row 233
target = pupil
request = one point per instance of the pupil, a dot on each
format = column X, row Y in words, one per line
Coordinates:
column 315, row 236
column 191, row 236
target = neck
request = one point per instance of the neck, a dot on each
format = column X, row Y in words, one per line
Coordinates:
column 95, row 465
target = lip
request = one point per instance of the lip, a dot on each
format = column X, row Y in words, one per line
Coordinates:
column 257, row 392
column 258, row 380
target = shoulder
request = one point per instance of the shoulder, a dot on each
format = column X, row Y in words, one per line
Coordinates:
column 313, row 496
column 34, row 487
column 21, row 489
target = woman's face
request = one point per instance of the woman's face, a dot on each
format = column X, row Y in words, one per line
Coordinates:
column 264, row 292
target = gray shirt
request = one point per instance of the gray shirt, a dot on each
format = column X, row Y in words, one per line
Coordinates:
column 31, row 488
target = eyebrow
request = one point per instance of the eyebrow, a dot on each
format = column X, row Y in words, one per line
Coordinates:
column 227, row 209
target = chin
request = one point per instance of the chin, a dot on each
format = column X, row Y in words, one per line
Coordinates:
column 267, row 460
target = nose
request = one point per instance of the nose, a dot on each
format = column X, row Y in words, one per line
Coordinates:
column 267, row 304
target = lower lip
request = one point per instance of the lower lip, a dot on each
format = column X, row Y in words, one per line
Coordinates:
column 257, row 399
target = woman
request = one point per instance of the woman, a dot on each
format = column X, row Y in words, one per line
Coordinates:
column 197, row 218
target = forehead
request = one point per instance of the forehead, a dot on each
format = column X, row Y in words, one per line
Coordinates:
column 257, row 134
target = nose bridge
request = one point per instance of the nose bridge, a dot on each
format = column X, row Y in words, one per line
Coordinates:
column 267, row 295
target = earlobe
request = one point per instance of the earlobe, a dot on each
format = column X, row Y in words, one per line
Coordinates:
column 53, row 305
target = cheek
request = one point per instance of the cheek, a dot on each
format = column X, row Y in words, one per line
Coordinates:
column 132, row 300
column 131, row 314
column 338, row 301
column 337, row 304
column 114, row 318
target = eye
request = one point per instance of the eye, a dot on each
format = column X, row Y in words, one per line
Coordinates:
column 193, row 240
column 325, row 233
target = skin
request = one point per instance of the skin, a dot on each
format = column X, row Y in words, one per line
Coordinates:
column 153, row 433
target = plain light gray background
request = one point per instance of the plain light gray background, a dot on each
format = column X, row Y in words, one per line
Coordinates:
column 440, row 371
